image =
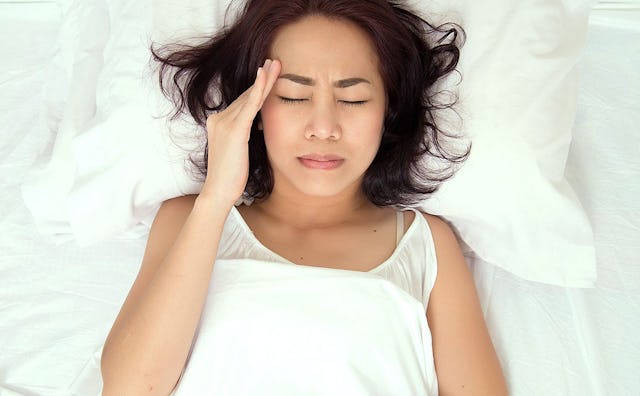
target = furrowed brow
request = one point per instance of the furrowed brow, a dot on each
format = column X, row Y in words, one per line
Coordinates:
column 298, row 79
column 347, row 82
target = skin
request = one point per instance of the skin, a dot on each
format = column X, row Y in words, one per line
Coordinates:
column 338, row 108
column 333, row 224
column 328, row 99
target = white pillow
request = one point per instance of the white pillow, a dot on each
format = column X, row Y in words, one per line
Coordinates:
column 72, row 73
column 98, row 75
column 510, row 202
column 69, row 107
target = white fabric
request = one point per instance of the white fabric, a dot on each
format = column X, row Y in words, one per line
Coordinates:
column 399, row 226
column 358, row 333
column 57, row 302
column 510, row 203
column 412, row 266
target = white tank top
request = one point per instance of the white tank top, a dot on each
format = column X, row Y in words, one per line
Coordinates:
column 412, row 266
column 270, row 327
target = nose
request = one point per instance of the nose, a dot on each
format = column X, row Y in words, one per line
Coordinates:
column 323, row 121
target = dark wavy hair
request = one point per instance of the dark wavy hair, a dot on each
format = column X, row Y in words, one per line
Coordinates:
column 415, row 55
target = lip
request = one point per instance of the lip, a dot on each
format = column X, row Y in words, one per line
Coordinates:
column 321, row 161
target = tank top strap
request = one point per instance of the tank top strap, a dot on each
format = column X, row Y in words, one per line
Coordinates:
column 399, row 226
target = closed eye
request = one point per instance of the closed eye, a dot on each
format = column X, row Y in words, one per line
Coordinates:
column 353, row 102
column 300, row 100
column 291, row 100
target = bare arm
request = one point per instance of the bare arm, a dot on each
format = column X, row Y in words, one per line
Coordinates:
column 148, row 345
column 150, row 339
column 466, row 362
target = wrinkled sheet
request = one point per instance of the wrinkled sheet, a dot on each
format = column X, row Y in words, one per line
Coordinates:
column 57, row 303
column 358, row 334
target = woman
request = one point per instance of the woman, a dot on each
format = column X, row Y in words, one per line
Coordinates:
column 323, row 142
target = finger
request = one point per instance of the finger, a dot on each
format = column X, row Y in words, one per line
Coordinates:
column 239, row 105
column 246, row 106
column 264, row 81
column 249, row 109
column 242, row 99
column 272, row 77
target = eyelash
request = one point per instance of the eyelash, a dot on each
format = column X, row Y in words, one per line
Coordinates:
column 298, row 101
column 291, row 100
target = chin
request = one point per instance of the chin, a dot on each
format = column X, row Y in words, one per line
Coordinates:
column 324, row 189
column 317, row 184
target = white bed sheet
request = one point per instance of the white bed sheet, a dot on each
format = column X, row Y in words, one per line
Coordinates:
column 57, row 303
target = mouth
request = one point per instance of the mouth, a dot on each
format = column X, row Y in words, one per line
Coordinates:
column 321, row 161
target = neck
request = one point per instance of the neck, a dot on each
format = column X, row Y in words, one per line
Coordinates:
column 314, row 212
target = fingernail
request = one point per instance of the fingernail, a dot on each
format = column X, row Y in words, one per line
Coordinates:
column 268, row 64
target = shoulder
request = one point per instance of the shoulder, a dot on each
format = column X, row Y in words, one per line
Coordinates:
column 178, row 205
column 171, row 216
column 174, row 211
column 453, row 275
column 440, row 230
column 444, row 239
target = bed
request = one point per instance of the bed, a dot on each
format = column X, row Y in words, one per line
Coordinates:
column 60, row 288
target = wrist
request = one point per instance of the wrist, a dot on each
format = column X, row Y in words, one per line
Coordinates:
column 208, row 200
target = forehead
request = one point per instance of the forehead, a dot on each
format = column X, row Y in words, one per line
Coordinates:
column 320, row 43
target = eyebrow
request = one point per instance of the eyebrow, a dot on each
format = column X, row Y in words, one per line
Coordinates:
column 347, row 82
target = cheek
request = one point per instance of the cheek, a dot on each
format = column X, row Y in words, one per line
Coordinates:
column 374, row 126
column 371, row 125
column 268, row 114
column 276, row 117
column 274, row 123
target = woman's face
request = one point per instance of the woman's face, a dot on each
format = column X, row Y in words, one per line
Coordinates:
column 323, row 118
